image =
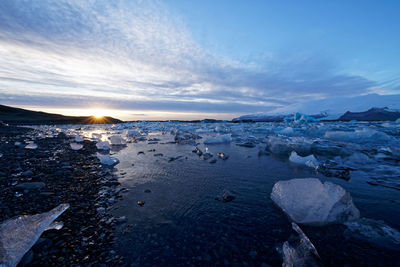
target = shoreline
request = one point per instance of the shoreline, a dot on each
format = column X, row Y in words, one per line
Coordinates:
column 61, row 175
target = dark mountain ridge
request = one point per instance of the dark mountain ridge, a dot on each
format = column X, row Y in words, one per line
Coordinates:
column 19, row 116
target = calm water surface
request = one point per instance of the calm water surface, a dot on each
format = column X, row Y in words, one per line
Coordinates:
column 181, row 223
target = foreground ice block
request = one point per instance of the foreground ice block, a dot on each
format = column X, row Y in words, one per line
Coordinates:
column 75, row 146
column 105, row 145
column 117, row 140
column 308, row 201
column 18, row 235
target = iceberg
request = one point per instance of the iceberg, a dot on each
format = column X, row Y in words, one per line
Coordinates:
column 221, row 139
column 75, row 146
column 309, row 161
column 309, row 201
column 105, row 145
column 18, row 235
column 358, row 136
column 299, row 117
column 107, row 159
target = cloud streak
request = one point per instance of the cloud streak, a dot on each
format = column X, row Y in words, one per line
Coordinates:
column 139, row 55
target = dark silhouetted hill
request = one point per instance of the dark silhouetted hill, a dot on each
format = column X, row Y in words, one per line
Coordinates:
column 19, row 116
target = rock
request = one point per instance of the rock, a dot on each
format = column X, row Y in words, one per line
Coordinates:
column 213, row 161
column 223, row 156
column 31, row 186
column 140, row 203
column 247, row 144
column 27, row 173
column 308, row 201
column 227, row 196
column 147, row 191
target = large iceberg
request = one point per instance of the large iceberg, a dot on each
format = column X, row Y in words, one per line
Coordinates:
column 18, row 235
column 309, row 201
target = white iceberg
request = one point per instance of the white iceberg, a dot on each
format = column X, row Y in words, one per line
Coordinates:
column 75, row 146
column 308, row 201
column 107, row 159
column 18, row 235
column 358, row 136
column 309, row 161
column 31, row 145
column 117, row 140
column 220, row 139
column 105, row 145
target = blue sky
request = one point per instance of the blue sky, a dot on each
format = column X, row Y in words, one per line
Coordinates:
column 194, row 59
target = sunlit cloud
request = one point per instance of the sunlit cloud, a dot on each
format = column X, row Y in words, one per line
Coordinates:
column 140, row 56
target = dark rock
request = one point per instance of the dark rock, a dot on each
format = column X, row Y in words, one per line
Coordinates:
column 31, row 186
column 140, row 202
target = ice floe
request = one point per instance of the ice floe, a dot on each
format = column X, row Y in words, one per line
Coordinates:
column 31, row 145
column 309, row 160
column 220, row 139
column 105, row 145
column 75, row 146
column 309, row 201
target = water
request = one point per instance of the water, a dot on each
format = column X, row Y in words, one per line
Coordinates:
column 181, row 223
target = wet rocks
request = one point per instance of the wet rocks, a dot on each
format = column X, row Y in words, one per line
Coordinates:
column 31, row 186
column 226, row 196
column 140, row 203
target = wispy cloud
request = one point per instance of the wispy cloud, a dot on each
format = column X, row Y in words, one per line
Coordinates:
column 139, row 55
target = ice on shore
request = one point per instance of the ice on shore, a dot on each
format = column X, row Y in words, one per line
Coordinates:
column 309, row 161
column 107, row 159
column 18, row 235
column 309, row 201
column 31, row 145
column 75, row 146
column 220, row 139
column 301, row 253
column 117, row 140
column 105, row 145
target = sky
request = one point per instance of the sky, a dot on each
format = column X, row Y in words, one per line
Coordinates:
column 144, row 60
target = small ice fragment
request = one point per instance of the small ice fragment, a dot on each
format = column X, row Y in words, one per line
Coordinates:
column 78, row 139
column 31, row 145
column 309, row 161
column 117, row 140
column 105, row 145
column 107, row 160
column 308, row 201
column 75, row 146
column 20, row 234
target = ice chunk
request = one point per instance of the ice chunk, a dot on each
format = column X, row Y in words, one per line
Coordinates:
column 398, row 120
column 308, row 201
column 286, row 131
column 105, row 145
column 220, row 139
column 299, row 117
column 186, row 137
column 301, row 253
column 75, row 146
column 117, row 140
column 18, row 235
column 309, row 161
column 107, row 159
column 78, row 139
column 31, row 145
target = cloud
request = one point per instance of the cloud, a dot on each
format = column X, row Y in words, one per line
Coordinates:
column 140, row 55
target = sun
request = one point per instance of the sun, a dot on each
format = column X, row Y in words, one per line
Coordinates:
column 98, row 113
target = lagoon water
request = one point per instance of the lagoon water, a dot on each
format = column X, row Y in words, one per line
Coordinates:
column 181, row 223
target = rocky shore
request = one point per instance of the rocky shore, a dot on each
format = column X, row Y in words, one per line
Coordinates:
column 37, row 180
